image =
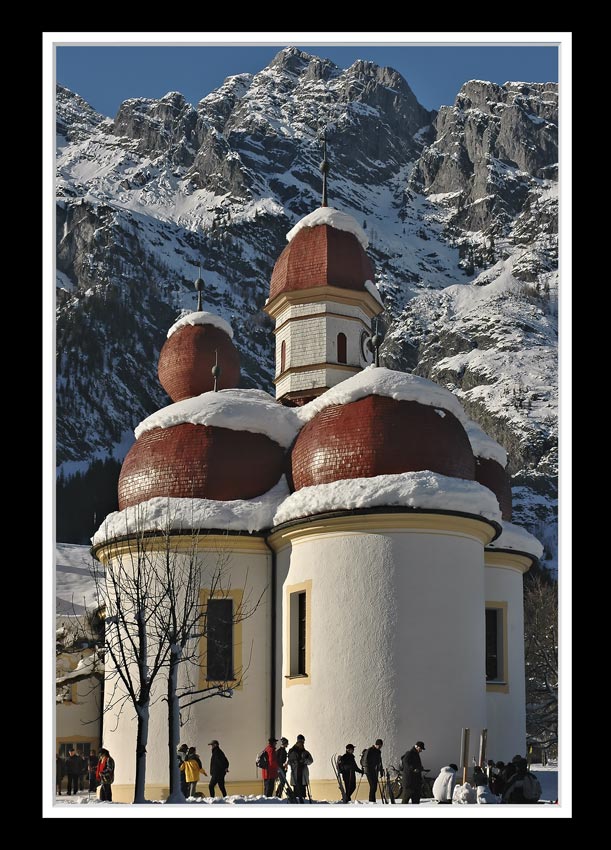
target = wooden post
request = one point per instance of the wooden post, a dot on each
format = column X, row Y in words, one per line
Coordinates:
column 464, row 753
column 483, row 741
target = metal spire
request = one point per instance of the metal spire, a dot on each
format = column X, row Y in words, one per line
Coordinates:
column 216, row 369
column 324, row 167
column 199, row 286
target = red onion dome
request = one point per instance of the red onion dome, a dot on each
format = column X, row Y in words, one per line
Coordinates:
column 326, row 248
column 199, row 462
column 377, row 435
column 492, row 475
column 190, row 352
column 490, row 463
column 224, row 446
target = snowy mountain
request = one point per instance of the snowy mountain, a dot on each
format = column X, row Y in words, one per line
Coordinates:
column 460, row 209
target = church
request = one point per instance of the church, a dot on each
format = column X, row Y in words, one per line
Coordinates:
column 361, row 512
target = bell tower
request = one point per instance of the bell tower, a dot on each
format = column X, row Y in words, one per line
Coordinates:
column 323, row 300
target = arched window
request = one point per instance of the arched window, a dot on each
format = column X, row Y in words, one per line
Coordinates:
column 283, row 356
column 341, row 348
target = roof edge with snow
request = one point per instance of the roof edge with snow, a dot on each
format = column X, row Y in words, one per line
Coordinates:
column 201, row 318
column 334, row 218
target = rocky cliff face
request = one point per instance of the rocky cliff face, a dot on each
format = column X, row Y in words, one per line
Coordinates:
column 460, row 209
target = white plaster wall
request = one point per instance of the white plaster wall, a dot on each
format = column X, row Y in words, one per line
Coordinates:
column 397, row 644
column 507, row 711
column 79, row 722
column 241, row 723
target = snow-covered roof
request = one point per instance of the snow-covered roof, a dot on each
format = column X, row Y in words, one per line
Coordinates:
column 372, row 289
column 238, row 410
column 202, row 318
column 407, row 489
column 74, row 583
column 376, row 380
column 515, row 537
column 484, row 446
column 334, row 218
column 164, row 514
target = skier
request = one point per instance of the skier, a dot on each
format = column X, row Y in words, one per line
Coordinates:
column 348, row 768
column 412, row 773
column 299, row 759
column 270, row 773
column 373, row 767
column 192, row 767
column 443, row 787
column 281, row 754
column 105, row 774
column 497, row 781
column 219, row 766
column 59, row 773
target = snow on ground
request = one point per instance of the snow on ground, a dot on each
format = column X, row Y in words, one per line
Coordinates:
column 74, row 583
column 238, row 410
column 377, row 380
column 548, row 777
column 202, row 318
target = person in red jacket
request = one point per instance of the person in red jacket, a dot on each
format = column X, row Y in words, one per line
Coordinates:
column 270, row 773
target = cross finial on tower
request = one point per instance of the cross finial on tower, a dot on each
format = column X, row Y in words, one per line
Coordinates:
column 376, row 341
column 324, row 166
column 199, row 286
column 216, row 369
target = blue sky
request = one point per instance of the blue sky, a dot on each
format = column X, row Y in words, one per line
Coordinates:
column 105, row 76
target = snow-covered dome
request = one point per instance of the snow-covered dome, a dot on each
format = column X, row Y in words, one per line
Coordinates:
column 490, row 463
column 194, row 342
column 222, row 446
column 326, row 248
column 380, row 422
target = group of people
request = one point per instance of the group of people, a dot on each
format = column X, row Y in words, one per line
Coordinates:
column 497, row 783
column 98, row 770
column 286, row 769
column 190, row 765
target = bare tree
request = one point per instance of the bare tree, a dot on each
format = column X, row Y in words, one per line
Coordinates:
column 157, row 621
column 132, row 597
column 182, row 623
column 541, row 658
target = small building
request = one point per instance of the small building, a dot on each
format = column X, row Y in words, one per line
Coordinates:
column 78, row 716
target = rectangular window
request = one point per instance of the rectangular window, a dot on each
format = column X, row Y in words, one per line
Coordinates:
column 495, row 644
column 219, row 655
column 84, row 749
column 298, row 634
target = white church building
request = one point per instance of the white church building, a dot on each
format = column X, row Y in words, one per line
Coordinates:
column 361, row 508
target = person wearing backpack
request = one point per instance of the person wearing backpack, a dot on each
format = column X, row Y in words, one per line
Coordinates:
column 268, row 763
column 523, row 787
column 373, row 767
column 347, row 766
